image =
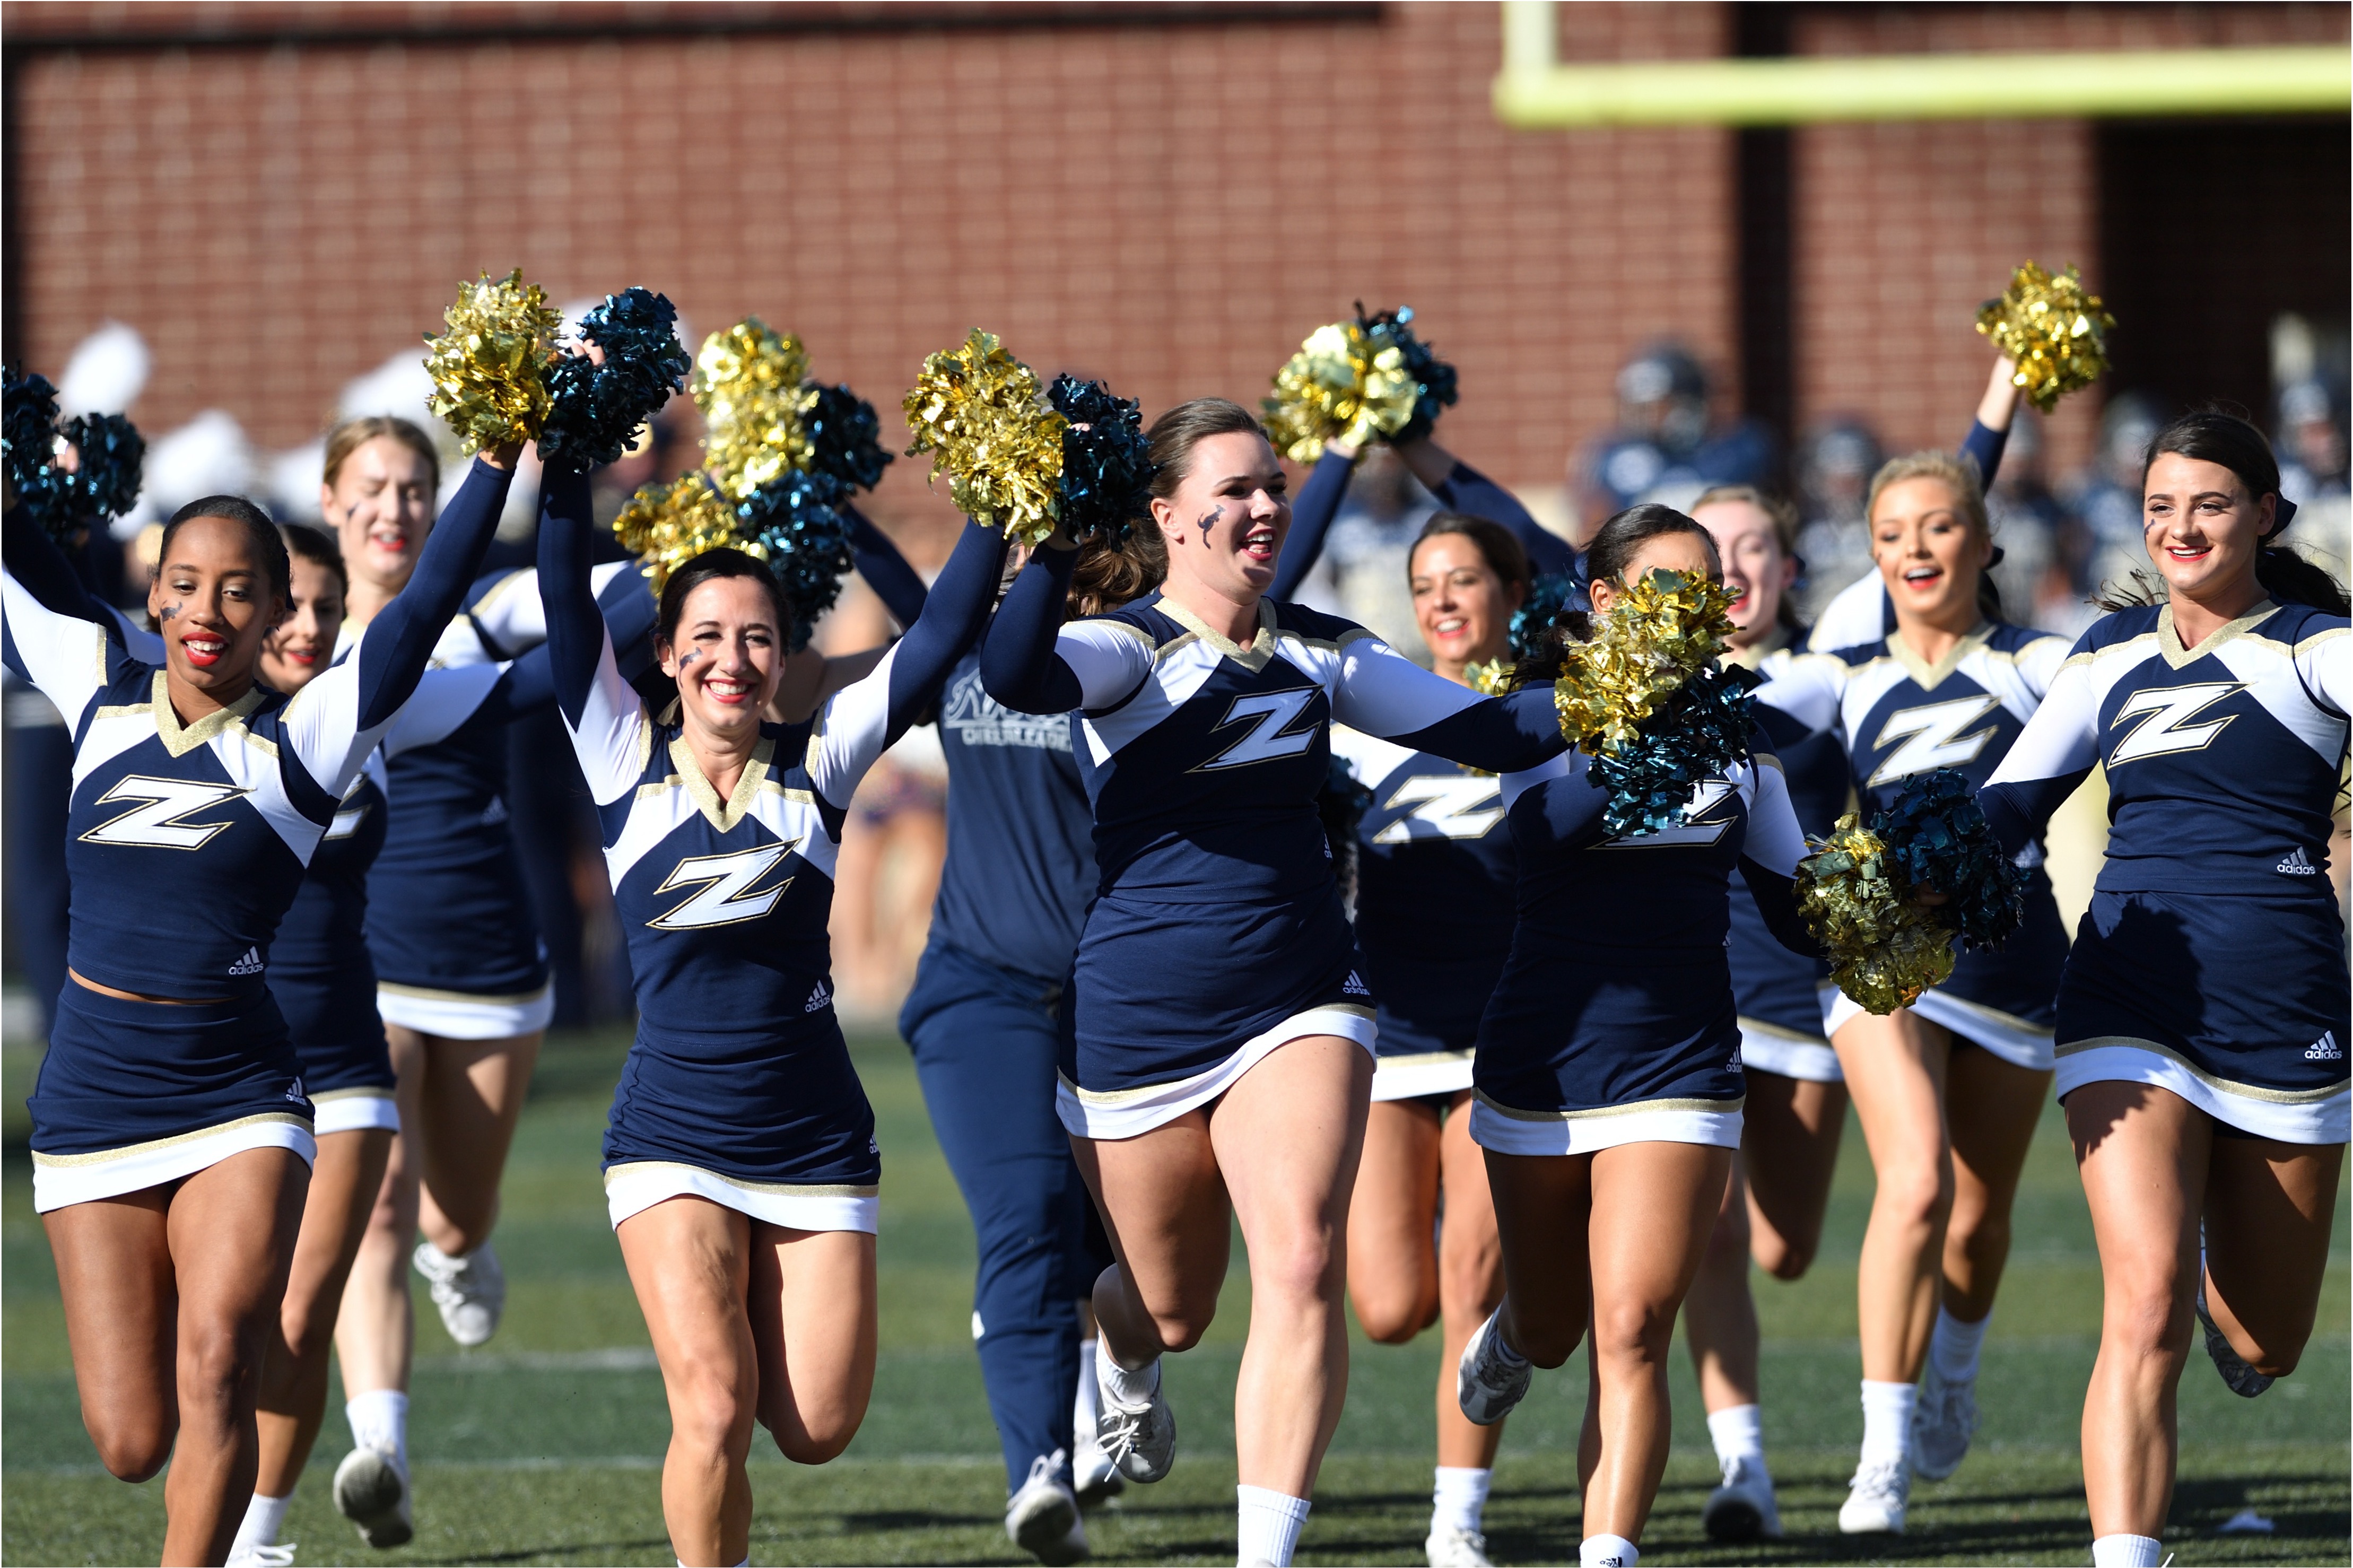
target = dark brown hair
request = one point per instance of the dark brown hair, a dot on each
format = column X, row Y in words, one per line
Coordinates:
column 316, row 546
column 707, row 567
column 1175, row 433
column 260, row 535
column 1108, row 574
column 1505, row 556
column 1617, row 543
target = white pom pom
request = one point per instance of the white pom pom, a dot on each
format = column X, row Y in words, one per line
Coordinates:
column 107, row 372
column 400, row 386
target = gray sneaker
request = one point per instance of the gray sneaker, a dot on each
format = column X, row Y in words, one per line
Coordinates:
column 1140, row 1440
column 1488, row 1382
column 2244, row 1380
column 1042, row 1517
column 471, row 1291
column 1743, row 1507
column 370, row 1490
column 1943, row 1422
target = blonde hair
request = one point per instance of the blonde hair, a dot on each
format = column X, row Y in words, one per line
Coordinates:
column 1958, row 474
column 351, row 435
column 1781, row 513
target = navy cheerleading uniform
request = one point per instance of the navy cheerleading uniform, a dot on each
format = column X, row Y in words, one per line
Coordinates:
column 1434, row 864
column 2211, row 962
column 1780, row 993
column 739, row 1088
column 1898, row 717
column 133, row 1094
column 1615, row 1020
column 1203, row 760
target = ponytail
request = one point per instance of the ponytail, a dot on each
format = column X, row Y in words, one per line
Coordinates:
column 2290, row 579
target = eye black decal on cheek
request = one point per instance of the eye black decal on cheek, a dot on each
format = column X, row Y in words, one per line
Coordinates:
column 169, row 613
column 687, row 657
column 1209, row 520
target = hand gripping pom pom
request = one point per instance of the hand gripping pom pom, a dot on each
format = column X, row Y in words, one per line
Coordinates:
column 490, row 369
column 1647, row 700
column 747, row 382
column 1107, row 461
column 1343, row 384
column 113, row 458
column 795, row 524
column 667, row 525
column 2053, row 329
column 976, row 409
column 844, row 435
column 1856, row 892
column 1432, row 377
column 595, row 409
column 30, row 420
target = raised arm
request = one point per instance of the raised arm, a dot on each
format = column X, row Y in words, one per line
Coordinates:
column 601, row 711
column 2055, row 754
column 66, row 657
column 863, row 720
column 1383, row 693
column 1312, row 512
column 885, row 569
column 44, row 570
column 395, row 649
column 1034, row 664
column 1461, row 488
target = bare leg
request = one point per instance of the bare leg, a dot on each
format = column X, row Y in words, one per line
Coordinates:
column 1991, row 1107
column 473, row 1096
column 1393, row 1221
column 813, row 1310
column 293, row 1398
column 375, row 1332
column 689, row 1262
column 1470, row 1284
column 1719, row 1314
column 1896, row 1070
column 1791, row 1128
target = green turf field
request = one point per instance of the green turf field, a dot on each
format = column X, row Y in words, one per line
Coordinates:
column 544, row 1447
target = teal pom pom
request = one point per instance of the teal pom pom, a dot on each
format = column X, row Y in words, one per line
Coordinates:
column 1548, row 597
column 1936, row 837
column 28, row 423
column 595, row 409
column 797, row 524
column 1700, row 730
column 113, row 459
column 845, row 436
column 1106, row 467
column 1433, row 376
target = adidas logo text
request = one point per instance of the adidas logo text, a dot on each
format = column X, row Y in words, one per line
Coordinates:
column 1354, row 987
column 819, row 999
column 251, row 963
column 2298, row 863
column 2325, row 1049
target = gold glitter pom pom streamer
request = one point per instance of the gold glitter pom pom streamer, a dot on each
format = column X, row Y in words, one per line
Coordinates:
column 977, row 409
column 490, row 370
column 747, row 382
column 1340, row 386
column 1659, row 633
column 1884, row 950
column 667, row 525
column 2053, row 329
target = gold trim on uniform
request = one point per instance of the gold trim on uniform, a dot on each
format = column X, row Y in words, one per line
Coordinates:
column 2223, row 1085
column 133, row 1151
column 1749, row 1025
column 2169, row 640
column 1254, row 658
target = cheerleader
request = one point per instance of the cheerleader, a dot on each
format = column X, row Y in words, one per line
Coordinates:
column 1433, row 845
column 980, row 1023
column 740, row 1161
column 171, row 1103
column 1192, row 1101
column 2202, row 1018
column 1949, row 1089
column 1608, row 1085
column 1796, row 1104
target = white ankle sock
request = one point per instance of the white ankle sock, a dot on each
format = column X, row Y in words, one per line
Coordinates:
column 1738, row 1433
column 1459, row 1497
column 1084, row 1409
column 1267, row 1526
column 264, row 1517
column 2127, row 1551
column 1129, row 1386
column 1887, row 1421
column 1608, row 1552
column 380, row 1421
column 1954, row 1348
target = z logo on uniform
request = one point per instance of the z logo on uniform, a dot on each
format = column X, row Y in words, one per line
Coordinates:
column 1457, row 805
column 1271, row 715
column 1696, row 827
column 157, row 825
column 728, row 895
column 1932, row 737
column 2164, row 712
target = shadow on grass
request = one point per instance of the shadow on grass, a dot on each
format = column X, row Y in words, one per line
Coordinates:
column 576, row 1551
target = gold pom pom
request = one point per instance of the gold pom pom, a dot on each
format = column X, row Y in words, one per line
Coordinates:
column 668, row 525
column 977, row 409
column 747, row 382
column 1659, row 633
column 2053, row 329
column 490, row 370
column 1489, row 680
column 1884, row 950
column 1340, row 386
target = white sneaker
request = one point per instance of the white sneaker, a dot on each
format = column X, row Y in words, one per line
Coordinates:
column 1485, row 1384
column 1140, row 1440
column 278, row 1556
column 1451, row 1548
column 1943, row 1422
column 371, row 1491
column 1875, row 1502
column 1743, row 1507
column 1042, row 1517
column 471, row 1291
column 1093, row 1477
